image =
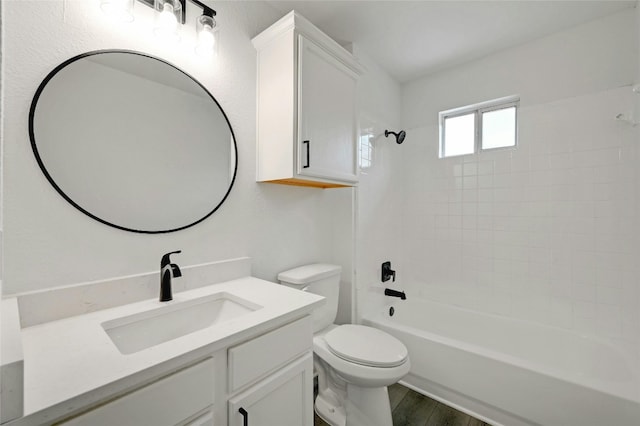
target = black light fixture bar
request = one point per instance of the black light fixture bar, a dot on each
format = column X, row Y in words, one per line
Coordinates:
column 206, row 10
column 149, row 3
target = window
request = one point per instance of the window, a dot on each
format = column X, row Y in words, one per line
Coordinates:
column 487, row 125
column 365, row 149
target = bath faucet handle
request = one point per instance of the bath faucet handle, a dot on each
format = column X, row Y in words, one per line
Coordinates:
column 387, row 272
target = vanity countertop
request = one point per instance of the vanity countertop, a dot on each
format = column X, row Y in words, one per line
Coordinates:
column 72, row 362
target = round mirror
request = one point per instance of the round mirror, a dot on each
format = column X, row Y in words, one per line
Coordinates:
column 133, row 141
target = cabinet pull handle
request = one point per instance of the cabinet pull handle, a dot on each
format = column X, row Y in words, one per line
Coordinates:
column 245, row 415
column 308, row 151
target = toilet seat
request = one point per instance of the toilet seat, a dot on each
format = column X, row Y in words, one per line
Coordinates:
column 358, row 374
column 366, row 346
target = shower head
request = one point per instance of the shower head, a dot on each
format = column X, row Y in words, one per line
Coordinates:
column 399, row 136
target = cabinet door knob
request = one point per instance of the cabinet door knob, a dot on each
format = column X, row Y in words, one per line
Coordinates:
column 245, row 416
column 308, row 153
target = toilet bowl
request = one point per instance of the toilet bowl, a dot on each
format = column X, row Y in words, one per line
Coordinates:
column 354, row 363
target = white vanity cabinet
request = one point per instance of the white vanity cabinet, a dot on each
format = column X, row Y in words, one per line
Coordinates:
column 307, row 121
column 266, row 380
column 254, row 354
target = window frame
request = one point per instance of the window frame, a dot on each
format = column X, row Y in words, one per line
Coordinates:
column 477, row 110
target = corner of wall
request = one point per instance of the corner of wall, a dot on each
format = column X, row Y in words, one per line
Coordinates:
column 377, row 230
column 638, row 41
column 2, row 38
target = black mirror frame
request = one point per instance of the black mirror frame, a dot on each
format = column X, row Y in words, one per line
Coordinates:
column 34, row 147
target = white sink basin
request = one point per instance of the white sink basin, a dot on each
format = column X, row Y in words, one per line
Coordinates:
column 136, row 332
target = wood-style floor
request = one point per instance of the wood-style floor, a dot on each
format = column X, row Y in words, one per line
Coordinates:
column 410, row 408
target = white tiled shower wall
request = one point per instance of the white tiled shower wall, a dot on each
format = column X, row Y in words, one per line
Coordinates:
column 535, row 231
column 547, row 232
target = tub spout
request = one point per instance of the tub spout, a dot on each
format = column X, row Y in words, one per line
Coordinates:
column 395, row 293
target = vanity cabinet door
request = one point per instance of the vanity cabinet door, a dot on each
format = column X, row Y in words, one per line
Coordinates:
column 326, row 115
column 284, row 398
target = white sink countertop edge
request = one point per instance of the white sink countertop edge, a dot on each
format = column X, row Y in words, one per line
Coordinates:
column 66, row 360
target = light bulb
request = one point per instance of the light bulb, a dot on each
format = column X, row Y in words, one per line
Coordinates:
column 206, row 44
column 167, row 23
column 167, row 19
column 206, row 41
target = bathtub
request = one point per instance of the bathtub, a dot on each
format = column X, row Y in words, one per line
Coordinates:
column 511, row 372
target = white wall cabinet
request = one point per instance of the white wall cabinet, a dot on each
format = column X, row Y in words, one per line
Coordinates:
column 270, row 375
column 307, row 120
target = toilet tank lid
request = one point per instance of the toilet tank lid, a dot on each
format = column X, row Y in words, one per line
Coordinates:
column 309, row 273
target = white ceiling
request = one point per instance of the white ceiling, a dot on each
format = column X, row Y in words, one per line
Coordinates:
column 411, row 39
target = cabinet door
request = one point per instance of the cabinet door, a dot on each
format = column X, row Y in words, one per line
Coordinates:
column 326, row 115
column 284, row 398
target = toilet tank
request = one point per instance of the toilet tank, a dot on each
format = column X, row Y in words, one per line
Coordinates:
column 319, row 278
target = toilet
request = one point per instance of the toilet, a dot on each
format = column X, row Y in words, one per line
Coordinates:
column 354, row 363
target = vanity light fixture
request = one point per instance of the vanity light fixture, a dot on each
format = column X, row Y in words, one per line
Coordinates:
column 120, row 10
column 170, row 14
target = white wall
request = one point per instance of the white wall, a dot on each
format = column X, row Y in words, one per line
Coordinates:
column 592, row 57
column 547, row 232
column 48, row 243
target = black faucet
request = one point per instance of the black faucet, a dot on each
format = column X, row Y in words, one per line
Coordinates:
column 387, row 272
column 168, row 271
column 394, row 293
